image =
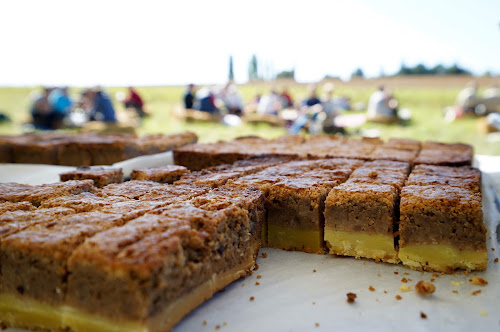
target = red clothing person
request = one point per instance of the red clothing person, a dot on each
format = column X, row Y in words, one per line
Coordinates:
column 135, row 101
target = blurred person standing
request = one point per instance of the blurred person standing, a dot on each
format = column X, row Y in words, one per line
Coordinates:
column 468, row 99
column 134, row 100
column 331, row 110
column 60, row 101
column 382, row 106
column 286, row 98
column 189, row 97
column 232, row 100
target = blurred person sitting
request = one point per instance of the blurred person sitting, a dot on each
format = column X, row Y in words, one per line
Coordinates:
column 467, row 99
column 189, row 97
column 134, row 100
column 286, row 98
column 313, row 97
column 270, row 103
column 382, row 106
column 101, row 107
column 206, row 101
column 60, row 101
column 331, row 110
column 232, row 100
column 44, row 116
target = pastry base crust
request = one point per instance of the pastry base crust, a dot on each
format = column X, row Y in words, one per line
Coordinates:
column 359, row 244
column 18, row 311
column 442, row 258
column 287, row 238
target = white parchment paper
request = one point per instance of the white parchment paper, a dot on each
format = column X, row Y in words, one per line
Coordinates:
column 292, row 297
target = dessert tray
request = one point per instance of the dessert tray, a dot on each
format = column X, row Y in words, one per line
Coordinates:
column 295, row 291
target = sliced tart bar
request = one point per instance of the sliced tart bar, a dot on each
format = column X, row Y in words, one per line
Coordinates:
column 445, row 154
column 465, row 176
column 161, row 174
column 148, row 274
column 442, row 228
column 360, row 220
column 361, row 215
column 101, row 176
column 295, row 194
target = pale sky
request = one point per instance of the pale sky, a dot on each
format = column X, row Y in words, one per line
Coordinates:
column 89, row 42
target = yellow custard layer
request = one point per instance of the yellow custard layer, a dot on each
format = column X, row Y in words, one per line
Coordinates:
column 288, row 238
column 359, row 244
column 19, row 311
column 442, row 257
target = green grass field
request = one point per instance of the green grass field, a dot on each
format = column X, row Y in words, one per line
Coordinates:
column 425, row 103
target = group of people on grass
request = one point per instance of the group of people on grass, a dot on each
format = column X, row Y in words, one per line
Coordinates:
column 54, row 108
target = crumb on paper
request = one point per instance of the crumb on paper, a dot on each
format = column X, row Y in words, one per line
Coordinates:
column 492, row 249
column 454, row 291
column 479, row 281
column 351, row 297
column 496, row 260
column 466, row 272
column 217, row 327
column 435, row 275
column 252, row 298
column 404, row 280
column 396, row 272
column 224, row 324
column 425, row 288
column 378, row 274
column 371, row 289
column 404, row 287
column 484, row 313
column 423, row 315
column 406, row 273
column 456, row 283
column 242, row 285
column 264, row 255
column 316, row 324
column 476, row 292
column 204, row 322
column 257, row 283
column 398, row 297
column 385, row 292
column 314, row 270
column 256, row 267
column 432, row 279
column 314, row 303
column 259, row 276
column 364, row 263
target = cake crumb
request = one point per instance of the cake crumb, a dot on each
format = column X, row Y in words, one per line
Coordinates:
column 432, row 279
column 496, row 260
column 385, row 292
column 257, row 283
column 492, row 249
column 224, row 324
column 264, row 255
column 378, row 274
column 422, row 315
column 204, row 322
column 425, row 288
column 364, row 263
column 479, row 281
column 256, row 267
column 351, row 297
column 404, row 287
column 371, row 289
column 396, row 272
column 484, row 313
column 242, row 285
column 314, row 303
column 476, row 292
column 466, row 272
column 456, row 283
column 435, row 275
column 398, row 297
column 252, row 298
column 314, row 270
column 217, row 327
column 259, row 276
column 316, row 324
column 406, row 273
column 454, row 291
column 404, row 280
